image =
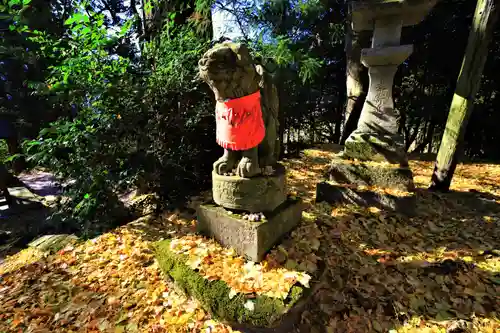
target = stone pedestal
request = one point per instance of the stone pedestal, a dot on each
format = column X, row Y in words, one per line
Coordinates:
column 234, row 197
column 336, row 193
column 381, row 175
column 269, row 314
column 386, row 186
column 254, row 195
column 249, row 239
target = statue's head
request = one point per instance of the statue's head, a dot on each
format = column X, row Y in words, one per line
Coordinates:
column 229, row 70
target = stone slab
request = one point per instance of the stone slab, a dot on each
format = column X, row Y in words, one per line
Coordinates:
column 385, row 56
column 249, row 239
column 289, row 320
column 333, row 193
column 255, row 195
column 24, row 194
column 410, row 12
column 22, row 200
column 270, row 315
column 53, row 243
column 390, row 176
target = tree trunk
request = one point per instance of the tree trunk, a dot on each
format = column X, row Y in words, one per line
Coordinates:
column 430, row 135
column 336, row 136
column 468, row 84
column 18, row 164
column 111, row 7
column 427, row 141
column 432, row 126
column 138, row 17
column 413, row 134
column 356, row 77
column 154, row 18
column 281, row 115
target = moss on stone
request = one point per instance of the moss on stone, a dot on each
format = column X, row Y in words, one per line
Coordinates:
column 390, row 176
column 372, row 148
column 363, row 150
column 214, row 295
column 52, row 243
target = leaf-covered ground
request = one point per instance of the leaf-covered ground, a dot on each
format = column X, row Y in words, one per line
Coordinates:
column 386, row 273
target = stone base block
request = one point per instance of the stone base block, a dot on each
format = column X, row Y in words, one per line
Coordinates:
column 378, row 148
column 256, row 194
column 269, row 315
column 334, row 193
column 249, row 239
column 370, row 174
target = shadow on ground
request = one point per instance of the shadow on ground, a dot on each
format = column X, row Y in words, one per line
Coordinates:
column 29, row 218
column 437, row 271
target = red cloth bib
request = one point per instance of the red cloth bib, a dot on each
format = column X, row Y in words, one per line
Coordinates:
column 239, row 122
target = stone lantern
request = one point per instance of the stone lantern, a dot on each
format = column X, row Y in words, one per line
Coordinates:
column 376, row 137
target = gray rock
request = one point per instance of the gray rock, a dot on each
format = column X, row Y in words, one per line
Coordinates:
column 332, row 193
column 52, row 243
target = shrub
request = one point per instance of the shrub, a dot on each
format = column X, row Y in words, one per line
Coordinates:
column 133, row 126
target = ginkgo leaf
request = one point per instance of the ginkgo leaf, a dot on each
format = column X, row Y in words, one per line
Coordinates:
column 249, row 305
column 232, row 293
column 303, row 279
column 195, row 263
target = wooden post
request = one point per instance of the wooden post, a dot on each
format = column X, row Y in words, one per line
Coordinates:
column 469, row 81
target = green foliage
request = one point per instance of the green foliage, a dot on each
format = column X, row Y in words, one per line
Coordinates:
column 180, row 123
column 129, row 128
column 121, row 120
column 305, row 39
column 82, row 149
column 279, row 51
column 22, row 69
column 4, row 153
column 310, row 66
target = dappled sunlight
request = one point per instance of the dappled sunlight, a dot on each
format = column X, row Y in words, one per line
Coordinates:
column 119, row 112
column 215, row 262
column 398, row 274
column 479, row 177
column 108, row 283
column 386, row 272
column 21, row 259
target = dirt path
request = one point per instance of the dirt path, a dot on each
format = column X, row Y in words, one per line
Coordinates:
column 41, row 183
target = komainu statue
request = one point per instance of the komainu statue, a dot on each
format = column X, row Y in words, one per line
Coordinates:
column 246, row 110
column 250, row 209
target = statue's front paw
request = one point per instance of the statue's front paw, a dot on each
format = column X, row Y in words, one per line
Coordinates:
column 223, row 166
column 248, row 168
